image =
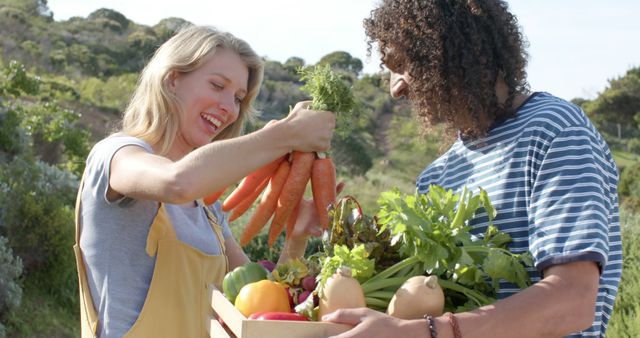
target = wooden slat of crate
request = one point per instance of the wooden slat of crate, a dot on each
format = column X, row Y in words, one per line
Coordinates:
column 223, row 308
column 241, row 327
column 217, row 331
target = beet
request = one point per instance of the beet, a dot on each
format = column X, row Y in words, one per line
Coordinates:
column 269, row 265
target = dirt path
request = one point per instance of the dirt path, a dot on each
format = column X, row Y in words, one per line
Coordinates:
column 100, row 124
column 380, row 136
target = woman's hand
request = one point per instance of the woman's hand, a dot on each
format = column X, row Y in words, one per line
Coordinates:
column 312, row 129
column 307, row 224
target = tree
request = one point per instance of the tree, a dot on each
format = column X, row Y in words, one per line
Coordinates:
column 111, row 15
column 275, row 71
column 143, row 41
column 293, row 64
column 166, row 28
column 276, row 98
column 620, row 102
column 31, row 7
column 343, row 61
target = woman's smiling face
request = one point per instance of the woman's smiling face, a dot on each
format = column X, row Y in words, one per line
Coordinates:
column 210, row 97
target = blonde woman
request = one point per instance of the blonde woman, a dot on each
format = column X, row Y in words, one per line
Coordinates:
column 146, row 247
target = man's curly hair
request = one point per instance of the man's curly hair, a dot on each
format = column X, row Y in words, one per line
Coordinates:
column 454, row 50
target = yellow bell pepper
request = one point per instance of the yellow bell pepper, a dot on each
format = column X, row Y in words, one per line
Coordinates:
column 264, row 295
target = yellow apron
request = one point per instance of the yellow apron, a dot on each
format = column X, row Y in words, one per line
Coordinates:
column 177, row 303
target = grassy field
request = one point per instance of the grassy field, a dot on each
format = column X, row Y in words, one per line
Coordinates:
column 624, row 158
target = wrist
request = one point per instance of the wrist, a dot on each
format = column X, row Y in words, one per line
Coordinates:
column 416, row 328
column 293, row 248
column 280, row 134
column 289, row 132
column 453, row 324
column 445, row 326
column 431, row 326
column 297, row 245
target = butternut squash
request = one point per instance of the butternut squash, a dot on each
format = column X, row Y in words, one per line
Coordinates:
column 417, row 297
column 341, row 291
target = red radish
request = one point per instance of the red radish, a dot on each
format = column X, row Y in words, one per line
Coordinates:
column 303, row 296
column 309, row 283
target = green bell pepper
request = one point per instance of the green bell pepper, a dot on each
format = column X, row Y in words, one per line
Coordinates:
column 234, row 280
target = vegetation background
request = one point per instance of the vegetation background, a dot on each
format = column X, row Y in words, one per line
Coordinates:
column 64, row 84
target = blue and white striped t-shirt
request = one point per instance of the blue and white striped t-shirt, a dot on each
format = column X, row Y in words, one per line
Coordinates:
column 551, row 177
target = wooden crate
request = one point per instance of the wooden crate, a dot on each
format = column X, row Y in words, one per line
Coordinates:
column 238, row 326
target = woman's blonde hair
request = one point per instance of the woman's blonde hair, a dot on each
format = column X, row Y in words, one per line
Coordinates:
column 153, row 114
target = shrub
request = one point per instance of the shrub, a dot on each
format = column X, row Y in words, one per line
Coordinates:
column 37, row 217
column 629, row 187
column 353, row 154
column 625, row 320
column 633, row 145
column 13, row 141
column 10, row 290
column 12, row 14
column 259, row 248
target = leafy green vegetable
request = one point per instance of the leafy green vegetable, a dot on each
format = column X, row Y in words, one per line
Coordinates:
column 357, row 259
column 291, row 272
column 434, row 237
column 329, row 92
column 351, row 227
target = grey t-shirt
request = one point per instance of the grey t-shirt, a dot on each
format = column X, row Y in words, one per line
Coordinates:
column 113, row 240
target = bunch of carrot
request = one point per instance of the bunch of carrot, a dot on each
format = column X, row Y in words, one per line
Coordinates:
column 284, row 181
column 282, row 184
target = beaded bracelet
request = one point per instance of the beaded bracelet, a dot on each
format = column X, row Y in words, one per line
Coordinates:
column 453, row 321
column 431, row 323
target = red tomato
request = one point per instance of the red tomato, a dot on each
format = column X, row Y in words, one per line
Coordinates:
column 278, row 316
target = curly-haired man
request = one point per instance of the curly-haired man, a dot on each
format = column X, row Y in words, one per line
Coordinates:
column 548, row 172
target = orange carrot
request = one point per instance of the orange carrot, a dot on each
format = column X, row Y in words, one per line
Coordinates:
column 291, row 222
column 214, row 197
column 323, row 185
column 294, row 188
column 249, row 184
column 267, row 204
column 243, row 206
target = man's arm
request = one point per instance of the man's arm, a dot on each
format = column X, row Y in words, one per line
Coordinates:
column 561, row 303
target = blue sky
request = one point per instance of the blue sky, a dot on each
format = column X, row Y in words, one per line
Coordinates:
column 575, row 46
